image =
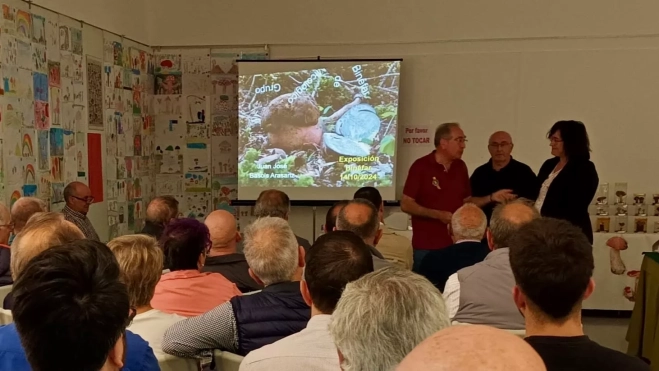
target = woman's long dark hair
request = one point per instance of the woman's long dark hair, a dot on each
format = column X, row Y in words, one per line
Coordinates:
column 575, row 139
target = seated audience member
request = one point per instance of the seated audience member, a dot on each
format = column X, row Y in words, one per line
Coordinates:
column 252, row 321
column 394, row 247
column 78, row 198
column 334, row 260
column 360, row 217
column 467, row 229
column 382, row 316
column 22, row 210
column 482, row 294
column 6, row 227
column 275, row 203
column 71, row 313
column 332, row 214
column 223, row 256
column 185, row 290
column 159, row 213
column 41, row 232
column 140, row 262
column 472, row 348
column 552, row 261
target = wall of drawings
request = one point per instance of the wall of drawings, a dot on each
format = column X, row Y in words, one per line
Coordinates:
column 127, row 83
column 42, row 104
column 196, row 120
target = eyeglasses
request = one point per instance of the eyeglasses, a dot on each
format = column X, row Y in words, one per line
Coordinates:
column 460, row 140
column 88, row 199
column 555, row 140
column 499, row 145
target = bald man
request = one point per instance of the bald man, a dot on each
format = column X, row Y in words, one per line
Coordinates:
column 224, row 257
column 472, row 348
column 6, row 227
column 361, row 217
column 159, row 213
column 482, row 294
column 78, row 197
column 502, row 172
column 467, row 229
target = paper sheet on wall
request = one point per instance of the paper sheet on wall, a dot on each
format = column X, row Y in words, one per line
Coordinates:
column 169, row 184
column 196, row 156
column 43, row 150
column 197, row 205
column 197, row 182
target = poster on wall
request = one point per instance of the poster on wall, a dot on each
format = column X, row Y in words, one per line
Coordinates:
column 94, row 93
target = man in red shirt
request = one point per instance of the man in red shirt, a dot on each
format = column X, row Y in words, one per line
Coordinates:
column 437, row 185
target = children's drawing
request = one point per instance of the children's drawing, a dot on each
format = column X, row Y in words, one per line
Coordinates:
column 41, row 115
column 169, row 84
column 39, row 58
column 170, row 163
column 78, row 94
column 40, row 86
column 94, row 94
column 44, row 183
column 28, row 112
column 78, row 77
column 8, row 20
column 56, row 169
column 197, row 205
column 226, row 126
column 196, row 63
column 27, row 149
column 67, row 90
column 42, row 144
column 52, row 39
column 69, row 145
column 54, row 75
column 24, row 84
column 197, row 182
column 167, row 63
column 76, row 40
column 64, row 38
column 24, row 24
column 12, row 113
column 195, row 109
column 117, row 53
column 38, row 29
column 56, row 142
column 23, row 54
column 55, row 102
column 167, row 104
column 222, row 104
column 197, row 85
column 9, row 80
column 224, row 63
column 196, row 157
column 66, row 65
column 30, row 175
column 9, row 52
column 57, row 194
column 197, row 130
column 224, row 84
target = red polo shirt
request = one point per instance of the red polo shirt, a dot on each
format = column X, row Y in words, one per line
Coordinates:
column 432, row 186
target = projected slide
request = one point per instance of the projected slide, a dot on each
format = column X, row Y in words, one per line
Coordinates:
column 318, row 124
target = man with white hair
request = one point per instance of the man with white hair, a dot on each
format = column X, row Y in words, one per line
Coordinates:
column 482, row 294
column 467, row 229
column 402, row 309
column 23, row 209
column 6, row 227
column 249, row 322
column 160, row 211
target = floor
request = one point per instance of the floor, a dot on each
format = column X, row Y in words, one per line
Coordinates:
column 609, row 332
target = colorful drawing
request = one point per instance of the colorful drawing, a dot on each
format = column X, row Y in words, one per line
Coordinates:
column 169, row 84
column 167, row 105
column 42, row 144
column 27, row 149
column 55, row 102
column 40, row 87
column 76, row 40
column 24, row 24
column 38, row 29
column 29, row 190
column 117, row 53
column 41, row 116
column 195, row 109
column 196, row 157
column 54, row 74
column 226, row 126
column 8, row 20
column 57, row 194
column 9, row 52
column 167, row 63
column 197, row 182
column 30, row 175
column 56, row 142
column 39, row 58
column 14, row 197
column 94, row 94
column 77, row 65
column 64, row 38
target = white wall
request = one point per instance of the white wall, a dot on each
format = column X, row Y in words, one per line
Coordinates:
column 212, row 22
column 124, row 17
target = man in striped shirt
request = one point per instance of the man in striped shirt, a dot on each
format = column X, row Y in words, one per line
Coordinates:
column 78, row 197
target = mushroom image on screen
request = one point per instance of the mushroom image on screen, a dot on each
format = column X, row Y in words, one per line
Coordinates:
column 292, row 125
column 629, row 292
column 616, row 245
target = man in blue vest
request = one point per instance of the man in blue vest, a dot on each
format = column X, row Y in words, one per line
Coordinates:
column 246, row 323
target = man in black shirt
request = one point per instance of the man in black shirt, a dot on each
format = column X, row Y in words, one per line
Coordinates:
column 502, row 172
column 552, row 262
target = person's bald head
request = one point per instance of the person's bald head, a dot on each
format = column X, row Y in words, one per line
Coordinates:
column 500, row 146
column 506, row 220
column 5, row 224
column 272, row 202
column 360, row 216
column 223, row 230
column 78, row 197
column 23, row 209
column 468, row 223
column 162, row 209
column 452, row 349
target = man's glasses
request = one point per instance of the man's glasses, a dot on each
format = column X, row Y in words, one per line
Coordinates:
column 88, row 199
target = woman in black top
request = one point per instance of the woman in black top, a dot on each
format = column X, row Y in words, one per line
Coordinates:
column 568, row 180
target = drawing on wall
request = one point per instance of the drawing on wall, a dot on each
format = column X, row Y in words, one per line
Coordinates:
column 117, row 53
column 64, row 38
column 197, row 85
column 226, row 126
column 197, row 205
column 167, row 63
column 24, row 24
column 195, row 107
column 197, row 130
column 76, row 40
column 56, row 142
column 196, row 157
column 167, row 104
column 197, row 182
column 197, row 63
column 39, row 58
column 221, row 84
column 40, row 86
column 57, row 195
column 52, row 39
column 42, row 144
column 77, row 69
column 44, row 184
column 54, row 76
column 9, row 52
column 27, row 149
column 56, row 169
column 24, row 54
column 41, row 116
column 94, row 94
column 24, row 85
column 169, row 84
column 38, row 29
column 223, row 104
column 54, row 96
column 30, row 175
column 8, row 20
